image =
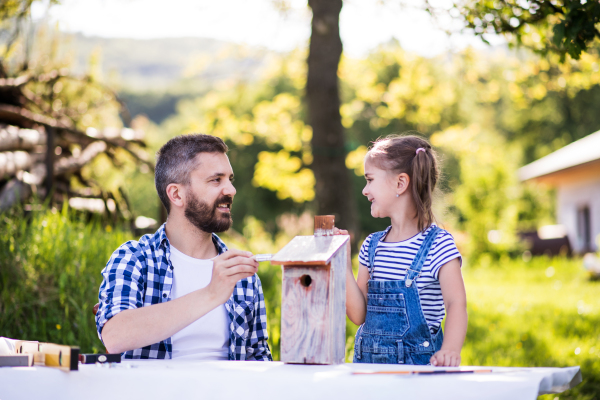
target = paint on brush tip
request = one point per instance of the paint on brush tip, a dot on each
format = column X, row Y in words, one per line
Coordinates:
column 263, row 257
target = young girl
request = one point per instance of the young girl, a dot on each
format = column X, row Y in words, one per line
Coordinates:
column 409, row 274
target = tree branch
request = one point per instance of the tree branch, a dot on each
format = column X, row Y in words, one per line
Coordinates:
column 69, row 165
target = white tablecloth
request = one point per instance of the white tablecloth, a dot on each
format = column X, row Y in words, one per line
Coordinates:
column 172, row 379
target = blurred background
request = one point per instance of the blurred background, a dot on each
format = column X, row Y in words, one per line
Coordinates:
column 508, row 93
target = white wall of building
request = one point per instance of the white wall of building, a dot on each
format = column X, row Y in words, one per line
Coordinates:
column 572, row 197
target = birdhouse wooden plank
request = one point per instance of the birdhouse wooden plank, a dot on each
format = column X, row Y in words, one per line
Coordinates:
column 313, row 307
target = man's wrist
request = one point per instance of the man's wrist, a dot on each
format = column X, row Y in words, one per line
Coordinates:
column 207, row 296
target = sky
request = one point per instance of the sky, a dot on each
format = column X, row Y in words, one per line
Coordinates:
column 364, row 24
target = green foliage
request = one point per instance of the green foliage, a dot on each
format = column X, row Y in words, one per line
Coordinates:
column 563, row 27
column 486, row 200
column 12, row 15
column 50, row 263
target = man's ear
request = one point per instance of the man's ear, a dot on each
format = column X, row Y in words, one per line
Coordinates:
column 402, row 182
column 176, row 194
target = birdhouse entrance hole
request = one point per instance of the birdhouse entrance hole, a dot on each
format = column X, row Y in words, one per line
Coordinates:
column 305, row 280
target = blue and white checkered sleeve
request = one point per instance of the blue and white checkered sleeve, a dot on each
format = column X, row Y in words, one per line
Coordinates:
column 122, row 287
column 257, row 346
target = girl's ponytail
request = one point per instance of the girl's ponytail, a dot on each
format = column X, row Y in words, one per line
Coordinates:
column 424, row 177
column 414, row 156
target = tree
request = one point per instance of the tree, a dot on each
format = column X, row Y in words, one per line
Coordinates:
column 47, row 119
column 333, row 187
column 571, row 24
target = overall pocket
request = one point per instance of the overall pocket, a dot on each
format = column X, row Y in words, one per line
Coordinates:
column 386, row 315
column 419, row 358
column 377, row 349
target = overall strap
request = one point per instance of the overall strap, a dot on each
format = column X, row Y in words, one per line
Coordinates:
column 415, row 269
column 375, row 238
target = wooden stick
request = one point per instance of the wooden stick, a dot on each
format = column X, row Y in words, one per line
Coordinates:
column 434, row 372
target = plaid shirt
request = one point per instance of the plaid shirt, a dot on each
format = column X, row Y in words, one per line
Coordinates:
column 140, row 274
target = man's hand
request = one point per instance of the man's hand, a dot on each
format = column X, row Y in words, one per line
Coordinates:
column 445, row 358
column 229, row 268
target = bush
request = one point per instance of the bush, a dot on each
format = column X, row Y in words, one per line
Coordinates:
column 50, row 265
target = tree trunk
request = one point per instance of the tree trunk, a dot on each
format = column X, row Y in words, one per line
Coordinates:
column 334, row 192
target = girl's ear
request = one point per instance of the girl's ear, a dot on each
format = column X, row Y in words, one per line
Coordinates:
column 402, row 182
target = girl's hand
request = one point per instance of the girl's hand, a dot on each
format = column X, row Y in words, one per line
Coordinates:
column 337, row 231
column 445, row 358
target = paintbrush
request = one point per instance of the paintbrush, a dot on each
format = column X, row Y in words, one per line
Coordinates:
column 434, row 372
column 262, row 257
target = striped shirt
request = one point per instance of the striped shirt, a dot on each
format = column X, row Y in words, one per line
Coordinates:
column 393, row 259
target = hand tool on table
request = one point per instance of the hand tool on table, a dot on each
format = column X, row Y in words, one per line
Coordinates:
column 29, row 353
column 99, row 358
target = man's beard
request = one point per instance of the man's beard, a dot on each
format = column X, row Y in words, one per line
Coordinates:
column 204, row 217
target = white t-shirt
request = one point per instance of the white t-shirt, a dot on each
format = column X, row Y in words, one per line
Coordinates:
column 208, row 337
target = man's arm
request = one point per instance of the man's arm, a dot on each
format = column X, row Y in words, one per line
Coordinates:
column 257, row 328
column 139, row 327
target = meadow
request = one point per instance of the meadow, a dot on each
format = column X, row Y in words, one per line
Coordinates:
column 536, row 312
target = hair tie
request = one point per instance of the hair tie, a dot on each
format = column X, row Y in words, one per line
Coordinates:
column 419, row 149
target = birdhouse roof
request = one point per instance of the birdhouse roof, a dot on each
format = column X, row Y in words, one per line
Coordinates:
column 310, row 250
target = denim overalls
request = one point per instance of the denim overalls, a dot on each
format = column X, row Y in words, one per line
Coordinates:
column 395, row 330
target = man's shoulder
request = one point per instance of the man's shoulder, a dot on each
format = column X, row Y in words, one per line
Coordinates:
column 147, row 246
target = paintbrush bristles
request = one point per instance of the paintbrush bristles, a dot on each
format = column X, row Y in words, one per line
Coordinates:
column 324, row 225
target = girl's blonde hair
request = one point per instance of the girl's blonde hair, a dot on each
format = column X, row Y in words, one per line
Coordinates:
column 398, row 154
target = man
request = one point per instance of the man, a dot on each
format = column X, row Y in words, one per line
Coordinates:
column 180, row 293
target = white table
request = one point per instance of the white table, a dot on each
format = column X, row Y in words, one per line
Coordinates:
column 173, row 379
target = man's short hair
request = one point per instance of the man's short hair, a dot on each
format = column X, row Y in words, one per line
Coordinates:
column 177, row 159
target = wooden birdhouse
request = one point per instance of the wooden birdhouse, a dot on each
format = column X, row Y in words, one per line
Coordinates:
column 313, row 306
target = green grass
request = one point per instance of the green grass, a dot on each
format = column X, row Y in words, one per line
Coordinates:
column 50, row 263
column 543, row 313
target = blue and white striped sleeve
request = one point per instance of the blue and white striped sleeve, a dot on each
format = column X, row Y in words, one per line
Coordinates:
column 363, row 254
column 443, row 250
column 122, row 287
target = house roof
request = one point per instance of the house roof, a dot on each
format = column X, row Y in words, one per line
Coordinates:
column 577, row 153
